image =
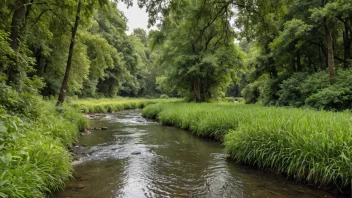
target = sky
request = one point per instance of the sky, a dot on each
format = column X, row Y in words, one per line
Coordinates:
column 137, row 18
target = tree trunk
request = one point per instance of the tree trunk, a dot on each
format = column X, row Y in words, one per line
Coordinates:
column 299, row 64
column 63, row 89
column 330, row 52
column 347, row 45
column 17, row 24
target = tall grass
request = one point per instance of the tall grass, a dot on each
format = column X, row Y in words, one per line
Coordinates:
column 34, row 160
column 314, row 146
column 114, row 104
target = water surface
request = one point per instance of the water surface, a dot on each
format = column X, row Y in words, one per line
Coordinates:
column 137, row 157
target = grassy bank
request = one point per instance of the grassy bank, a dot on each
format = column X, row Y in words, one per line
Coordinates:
column 114, row 104
column 314, row 146
column 34, row 136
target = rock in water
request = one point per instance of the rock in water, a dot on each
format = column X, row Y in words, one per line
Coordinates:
column 80, row 186
column 104, row 128
column 136, row 153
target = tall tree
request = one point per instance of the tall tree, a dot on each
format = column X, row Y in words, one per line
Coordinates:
column 63, row 89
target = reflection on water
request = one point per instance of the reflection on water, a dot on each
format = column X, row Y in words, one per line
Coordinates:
column 136, row 157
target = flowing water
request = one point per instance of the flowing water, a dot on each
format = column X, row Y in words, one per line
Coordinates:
column 137, row 157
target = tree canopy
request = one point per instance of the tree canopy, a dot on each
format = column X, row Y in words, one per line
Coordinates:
column 267, row 51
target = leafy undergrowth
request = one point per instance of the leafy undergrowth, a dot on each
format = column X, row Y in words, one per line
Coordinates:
column 34, row 136
column 314, row 146
column 114, row 104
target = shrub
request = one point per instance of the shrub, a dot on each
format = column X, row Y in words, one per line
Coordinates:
column 334, row 97
column 290, row 90
column 164, row 96
column 251, row 92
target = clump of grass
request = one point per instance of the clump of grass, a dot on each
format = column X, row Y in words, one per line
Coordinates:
column 113, row 104
column 33, row 156
column 308, row 145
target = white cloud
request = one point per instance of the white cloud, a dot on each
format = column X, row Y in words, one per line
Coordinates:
column 137, row 18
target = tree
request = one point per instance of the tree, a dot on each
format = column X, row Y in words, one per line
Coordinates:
column 199, row 51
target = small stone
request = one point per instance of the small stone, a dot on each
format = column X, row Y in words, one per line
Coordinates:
column 136, row 153
column 80, row 186
column 104, row 128
column 77, row 146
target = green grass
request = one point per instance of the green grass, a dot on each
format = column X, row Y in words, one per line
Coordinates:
column 308, row 145
column 34, row 160
column 114, row 104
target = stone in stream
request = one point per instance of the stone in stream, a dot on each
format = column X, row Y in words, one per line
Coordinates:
column 136, row 153
column 104, row 128
column 80, row 186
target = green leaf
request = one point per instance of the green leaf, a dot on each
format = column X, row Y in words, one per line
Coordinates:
column 6, row 159
column 3, row 195
column 2, row 128
column 3, row 182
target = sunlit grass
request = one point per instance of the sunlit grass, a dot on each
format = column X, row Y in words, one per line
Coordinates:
column 114, row 104
column 309, row 145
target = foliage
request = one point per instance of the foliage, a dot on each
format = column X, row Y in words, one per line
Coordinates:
column 33, row 138
column 334, row 97
column 199, row 53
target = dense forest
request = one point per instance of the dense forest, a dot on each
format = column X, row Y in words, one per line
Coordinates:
column 294, row 53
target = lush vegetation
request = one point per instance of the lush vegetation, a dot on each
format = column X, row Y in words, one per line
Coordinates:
column 286, row 53
column 114, row 104
column 34, row 136
column 308, row 145
column 283, row 53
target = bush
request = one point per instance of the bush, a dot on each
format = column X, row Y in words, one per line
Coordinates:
column 164, row 96
column 290, row 93
column 251, row 92
column 334, row 97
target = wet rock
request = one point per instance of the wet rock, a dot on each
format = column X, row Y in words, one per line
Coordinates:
column 86, row 131
column 104, row 128
column 93, row 151
column 80, row 186
column 76, row 146
column 136, row 153
column 75, row 158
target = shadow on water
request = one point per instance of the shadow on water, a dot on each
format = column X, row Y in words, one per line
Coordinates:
column 136, row 157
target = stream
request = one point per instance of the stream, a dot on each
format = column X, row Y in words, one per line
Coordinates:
column 136, row 157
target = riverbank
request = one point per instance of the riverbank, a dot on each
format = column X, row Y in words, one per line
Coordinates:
column 308, row 145
column 114, row 104
column 34, row 137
